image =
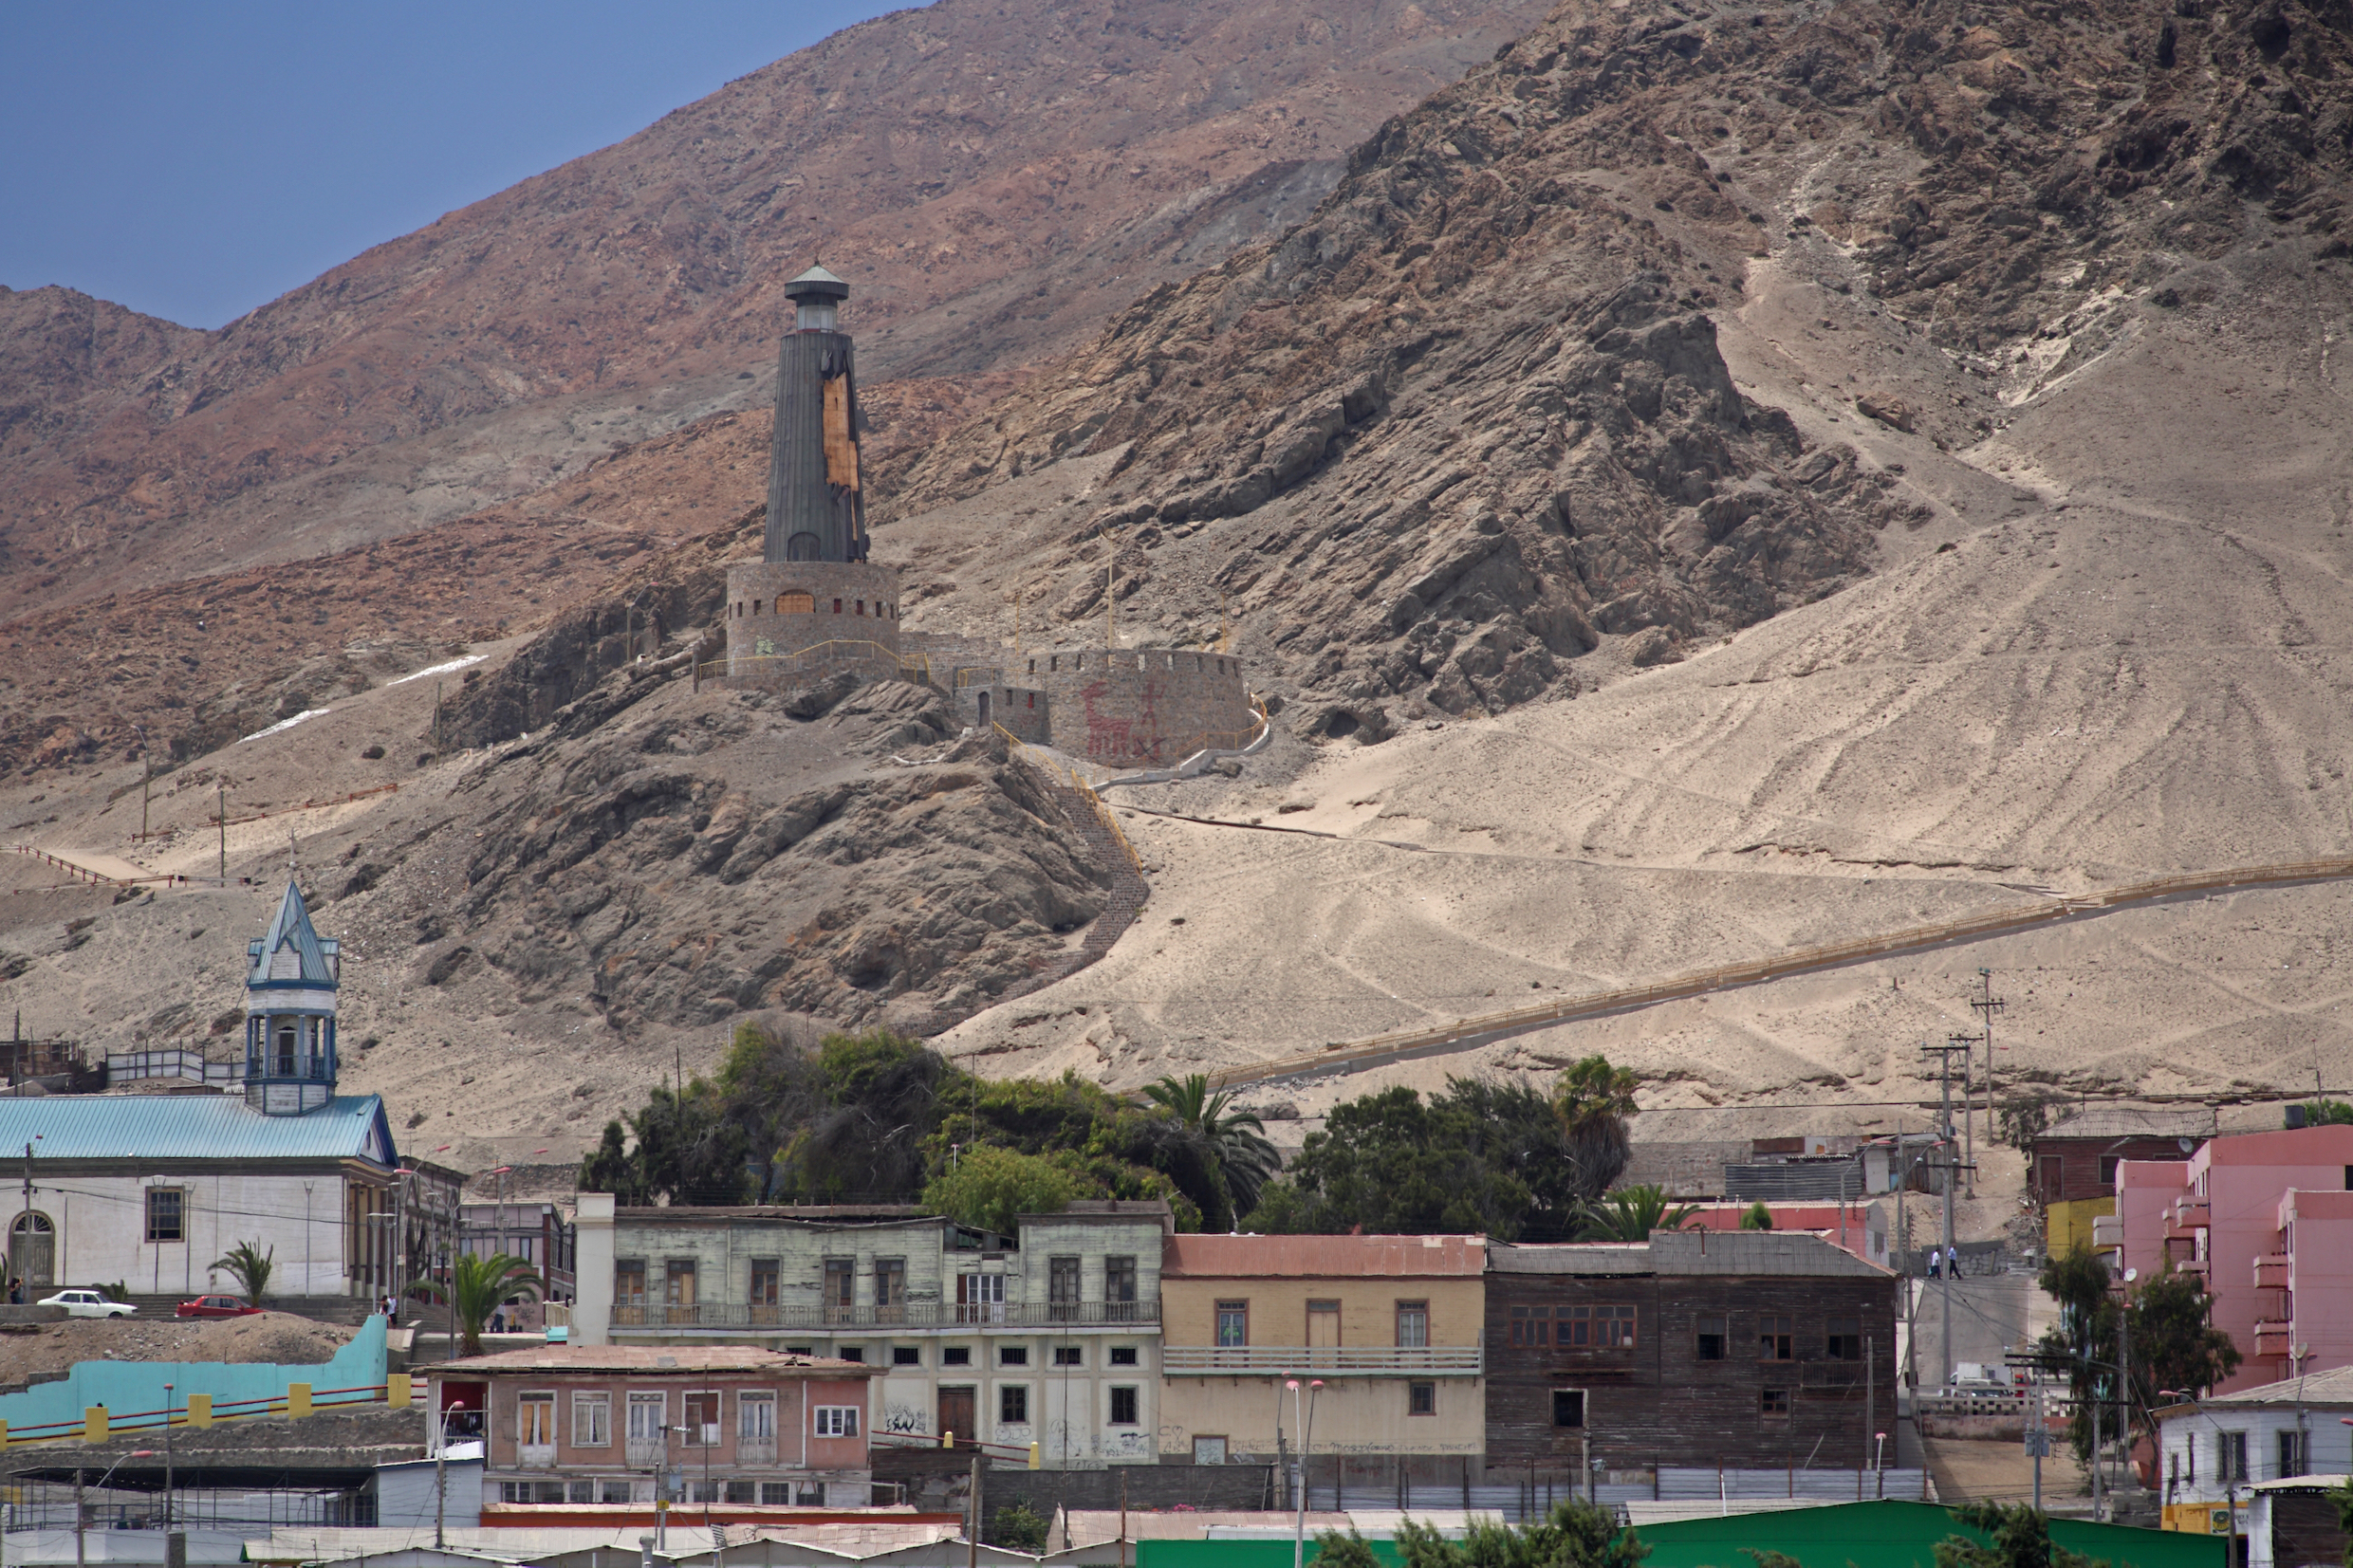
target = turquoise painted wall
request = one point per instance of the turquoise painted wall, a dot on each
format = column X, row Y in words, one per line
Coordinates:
column 123, row 1386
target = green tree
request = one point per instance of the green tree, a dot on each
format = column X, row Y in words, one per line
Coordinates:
column 2084, row 1337
column 2327, row 1112
column 682, row 1146
column 1631, row 1213
column 1016, row 1527
column 2343, row 1498
column 479, row 1287
column 1234, row 1143
column 1334, row 1550
column 1595, row 1100
column 2175, row 1343
column 1758, row 1216
column 2021, row 1540
column 1575, row 1535
column 250, row 1268
column 989, row 1187
column 2022, row 1118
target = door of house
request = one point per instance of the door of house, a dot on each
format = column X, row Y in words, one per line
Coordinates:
column 1322, row 1332
column 32, row 1252
column 959, row 1413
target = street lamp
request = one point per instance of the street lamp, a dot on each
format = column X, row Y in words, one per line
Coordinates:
column 1307, row 1432
column 81, row 1513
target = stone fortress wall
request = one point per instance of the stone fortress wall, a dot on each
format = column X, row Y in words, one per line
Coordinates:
column 791, row 623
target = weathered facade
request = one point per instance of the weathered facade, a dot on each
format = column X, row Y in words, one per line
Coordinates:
column 1746, row 1349
column 1048, row 1337
column 1390, row 1324
column 569, row 1425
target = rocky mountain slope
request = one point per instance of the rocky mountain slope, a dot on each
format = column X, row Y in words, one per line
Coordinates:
column 993, row 179
column 1474, row 411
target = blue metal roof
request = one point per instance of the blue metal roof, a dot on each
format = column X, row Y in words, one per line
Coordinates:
column 192, row 1127
column 292, row 928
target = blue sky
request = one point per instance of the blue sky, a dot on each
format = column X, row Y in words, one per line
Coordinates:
column 194, row 161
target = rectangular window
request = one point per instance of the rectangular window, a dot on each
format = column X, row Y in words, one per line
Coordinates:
column 1843, row 1340
column 1773, row 1404
column 1232, row 1324
column 592, row 1420
column 702, row 1421
column 1119, row 1288
column 764, row 1296
column 980, row 1297
column 2107, row 1169
column 1013, row 1403
column 629, row 1284
column 1069, row 1356
column 2230, row 1456
column 955, row 1356
column 775, row 1494
column 1531, row 1327
column 647, row 1440
column 1123, row 1356
column 535, row 1421
column 581, row 1492
column 165, row 1214
column 890, row 1290
column 1013, row 1356
column 1421, row 1399
column 1209, row 1451
column 1124, row 1407
column 742, row 1492
column 1413, row 1325
column 1595, row 1328
column 810, row 1494
column 1713, row 1342
column 1062, row 1289
column 1776, row 1341
column 755, row 1417
column 1568, row 1406
column 840, row 1292
column 837, row 1420
column 906, row 1356
column 678, row 1290
column 2290, row 1454
column 851, row 1353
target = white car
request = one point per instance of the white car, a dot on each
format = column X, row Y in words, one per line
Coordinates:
column 89, row 1304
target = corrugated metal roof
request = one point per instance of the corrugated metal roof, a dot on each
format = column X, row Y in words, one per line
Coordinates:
column 2121, row 1121
column 192, row 1127
column 2333, row 1386
column 1749, row 1252
column 291, row 928
column 1570, row 1258
column 1320, row 1257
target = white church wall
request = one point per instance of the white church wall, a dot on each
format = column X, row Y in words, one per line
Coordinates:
column 102, row 1221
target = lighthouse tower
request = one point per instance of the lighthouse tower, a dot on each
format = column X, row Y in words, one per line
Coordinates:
column 290, row 979
column 813, row 602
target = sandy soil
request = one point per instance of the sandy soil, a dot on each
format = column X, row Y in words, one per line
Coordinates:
column 29, row 1349
column 2118, row 651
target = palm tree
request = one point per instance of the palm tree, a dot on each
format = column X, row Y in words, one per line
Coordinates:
column 1236, row 1142
column 252, row 1268
column 479, row 1287
column 1630, row 1214
column 1593, row 1101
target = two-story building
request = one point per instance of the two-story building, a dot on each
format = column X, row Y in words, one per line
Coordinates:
column 1741, row 1348
column 2072, row 1170
column 1049, row 1336
column 576, row 1425
column 1390, row 1326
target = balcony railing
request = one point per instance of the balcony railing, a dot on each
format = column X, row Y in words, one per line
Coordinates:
column 1323, row 1360
column 919, row 1315
column 2273, row 1338
column 2272, row 1272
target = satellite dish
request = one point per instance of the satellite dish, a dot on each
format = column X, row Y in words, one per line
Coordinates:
column 2131, row 1274
column 2185, row 1145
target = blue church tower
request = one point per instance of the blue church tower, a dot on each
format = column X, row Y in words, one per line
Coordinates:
column 290, row 979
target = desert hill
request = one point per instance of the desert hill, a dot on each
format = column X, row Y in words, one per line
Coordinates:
column 994, row 178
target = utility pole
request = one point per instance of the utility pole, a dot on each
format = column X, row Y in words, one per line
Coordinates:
column 1968, row 1045
column 146, row 776
column 167, row 1459
column 1903, row 1258
column 1985, row 1007
column 221, row 783
column 971, row 1537
column 1952, row 1169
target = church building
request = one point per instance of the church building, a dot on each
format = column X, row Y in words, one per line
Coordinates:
column 149, row 1190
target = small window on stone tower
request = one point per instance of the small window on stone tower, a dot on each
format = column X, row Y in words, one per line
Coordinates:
column 796, row 604
column 837, row 607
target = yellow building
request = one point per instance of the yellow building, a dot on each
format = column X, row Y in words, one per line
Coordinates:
column 1389, row 1325
column 2067, row 1226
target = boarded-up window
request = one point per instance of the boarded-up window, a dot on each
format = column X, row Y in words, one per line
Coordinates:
column 795, row 604
column 840, row 442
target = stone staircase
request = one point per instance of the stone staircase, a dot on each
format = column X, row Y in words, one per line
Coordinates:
column 1128, row 887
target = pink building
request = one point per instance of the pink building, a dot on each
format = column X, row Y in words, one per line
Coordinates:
column 2267, row 1218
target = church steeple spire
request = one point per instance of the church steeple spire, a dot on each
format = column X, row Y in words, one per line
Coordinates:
column 291, row 983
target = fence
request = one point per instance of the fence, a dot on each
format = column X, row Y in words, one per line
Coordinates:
column 1330, row 1361
column 100, row 878
column 1016, row 751
column 1467, row 1033
column 185, row 1062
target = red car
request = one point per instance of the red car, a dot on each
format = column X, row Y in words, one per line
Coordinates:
column 216, row 1306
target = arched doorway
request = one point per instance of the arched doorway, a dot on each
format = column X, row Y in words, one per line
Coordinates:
column 984, row 711
column 32, row 1252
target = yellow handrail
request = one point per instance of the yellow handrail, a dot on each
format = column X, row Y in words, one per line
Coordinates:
column 1019, row 752
column 918, row 665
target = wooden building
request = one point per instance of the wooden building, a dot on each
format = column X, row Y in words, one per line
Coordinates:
column 1746, row 1349
column 2073, row 1172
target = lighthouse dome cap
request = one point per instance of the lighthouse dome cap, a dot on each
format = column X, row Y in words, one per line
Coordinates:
column 819, row 283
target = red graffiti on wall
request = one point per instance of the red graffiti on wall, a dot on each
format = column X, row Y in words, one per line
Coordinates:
column 1119, row 740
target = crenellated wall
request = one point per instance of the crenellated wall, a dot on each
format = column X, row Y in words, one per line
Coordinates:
column 852, row 606
column 1139, row 707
